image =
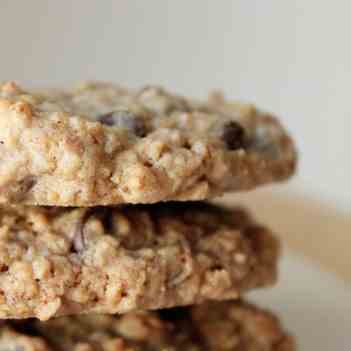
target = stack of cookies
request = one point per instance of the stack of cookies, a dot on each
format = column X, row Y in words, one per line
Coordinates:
column 104, row 242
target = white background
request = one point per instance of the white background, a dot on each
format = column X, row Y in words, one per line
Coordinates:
column 289, row 57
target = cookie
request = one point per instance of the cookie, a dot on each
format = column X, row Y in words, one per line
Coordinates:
column 220, row 326
column 58, row 261
column 100, row 144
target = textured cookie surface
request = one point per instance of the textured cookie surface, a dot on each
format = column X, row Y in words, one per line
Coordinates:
column 223, row 326
column 100, row 144
column 59, row 261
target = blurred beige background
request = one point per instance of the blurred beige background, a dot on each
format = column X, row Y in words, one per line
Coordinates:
column 290, row 57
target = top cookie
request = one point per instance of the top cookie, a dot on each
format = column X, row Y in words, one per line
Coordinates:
column 100, row 144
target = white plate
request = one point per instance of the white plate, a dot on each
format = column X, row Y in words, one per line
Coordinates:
column 315, row 306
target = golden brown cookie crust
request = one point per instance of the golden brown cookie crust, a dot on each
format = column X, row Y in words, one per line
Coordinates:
column 218, row 326
column 100, row 144
column 59, row 261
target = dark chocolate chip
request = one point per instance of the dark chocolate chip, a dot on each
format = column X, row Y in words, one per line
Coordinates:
column 19, row 190
column 78, row 238
column 233, row 135
column 27, row 183
column 124, row 119
column 103, row 214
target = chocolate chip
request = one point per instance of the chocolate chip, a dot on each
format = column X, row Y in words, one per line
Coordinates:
column 78, row 238
column 104, row 215
column 27, row 183
column 78, row 241
column 125, row 119
column 233, row 135
column 18, row 191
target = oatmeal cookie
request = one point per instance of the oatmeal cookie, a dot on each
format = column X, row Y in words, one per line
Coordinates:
column 219, row 326
column 100, row 144
column 59, row 261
